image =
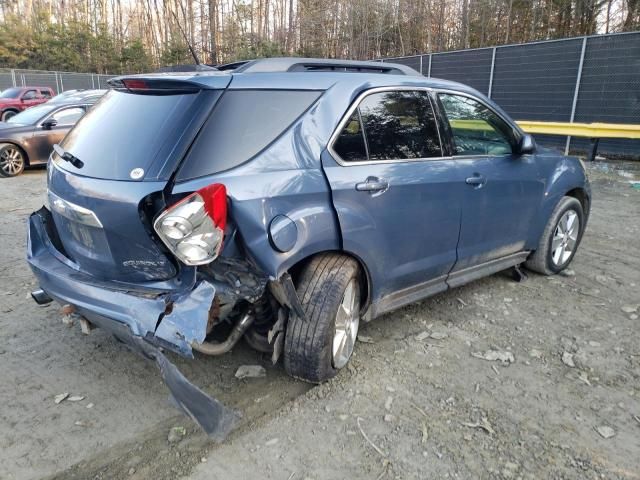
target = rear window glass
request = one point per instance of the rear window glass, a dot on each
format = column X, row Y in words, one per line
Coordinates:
column 125, row 131
column 242, row 124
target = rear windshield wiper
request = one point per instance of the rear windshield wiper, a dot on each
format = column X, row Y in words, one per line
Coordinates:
column 67, row 157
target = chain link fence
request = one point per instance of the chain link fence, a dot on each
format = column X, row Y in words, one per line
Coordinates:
column 58, row 81
column 585, row 79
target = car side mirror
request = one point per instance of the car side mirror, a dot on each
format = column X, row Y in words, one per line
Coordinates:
column 49, row 124
column 527, row 144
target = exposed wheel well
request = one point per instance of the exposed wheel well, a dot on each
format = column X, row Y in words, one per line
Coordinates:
column 365, row 277
column 583, row 198
column 24, row 153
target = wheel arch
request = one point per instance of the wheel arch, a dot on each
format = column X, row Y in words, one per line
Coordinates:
column 583, row 197
column 562, row 176
column 365, row 275
column 9, row 109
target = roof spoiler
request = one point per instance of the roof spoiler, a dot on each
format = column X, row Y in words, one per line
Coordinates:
column 154, row 85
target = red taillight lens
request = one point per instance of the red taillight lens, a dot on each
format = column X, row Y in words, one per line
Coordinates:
column 215, row 203
column 193, row 228
column 135, row 84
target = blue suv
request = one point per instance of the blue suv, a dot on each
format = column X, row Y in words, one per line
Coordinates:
column 284, row 201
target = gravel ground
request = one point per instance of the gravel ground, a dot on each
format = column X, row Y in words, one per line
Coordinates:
column 421, row 398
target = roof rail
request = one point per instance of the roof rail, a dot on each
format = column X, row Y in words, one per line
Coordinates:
column 294, row 64
column 232, row 66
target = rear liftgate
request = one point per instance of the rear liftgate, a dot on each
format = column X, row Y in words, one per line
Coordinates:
column 192, row 229
column 175, row 317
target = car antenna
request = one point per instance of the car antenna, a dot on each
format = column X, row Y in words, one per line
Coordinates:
column 193, row 52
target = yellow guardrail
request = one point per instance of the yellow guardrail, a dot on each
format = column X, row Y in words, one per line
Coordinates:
column 588, row 130
column 478, row 125
column 594, row 131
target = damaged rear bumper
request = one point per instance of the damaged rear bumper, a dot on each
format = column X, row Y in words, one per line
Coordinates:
column 212, row 416
column 144, row 317
column 170, row 317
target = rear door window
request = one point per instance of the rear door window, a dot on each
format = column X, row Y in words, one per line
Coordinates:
column 350, row 144
column 243, row 123
column 400, row 124
column 393, row 125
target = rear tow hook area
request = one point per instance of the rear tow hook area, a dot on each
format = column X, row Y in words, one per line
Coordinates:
column 41, row 297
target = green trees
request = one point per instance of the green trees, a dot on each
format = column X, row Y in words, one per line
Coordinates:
column 117, row 36
column 40, row 42
column 16, row 43
column 73, row 46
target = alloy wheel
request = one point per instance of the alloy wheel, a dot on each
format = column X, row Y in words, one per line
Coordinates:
column 11, row 161
column 565, row 237
column 347, row 322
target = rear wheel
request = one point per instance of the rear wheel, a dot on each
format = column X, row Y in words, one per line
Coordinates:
column 317, row 347
column 6, row 115
column 560, row 239
column 12, row 160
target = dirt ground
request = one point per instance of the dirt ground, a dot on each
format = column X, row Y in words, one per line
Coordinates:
column 419, row 400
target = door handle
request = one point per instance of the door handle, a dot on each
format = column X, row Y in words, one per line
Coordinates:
column 373, row 185
column 477, row 180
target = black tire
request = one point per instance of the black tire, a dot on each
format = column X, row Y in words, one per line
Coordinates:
column 308, row 343
column 12, row 160
column 7, row 114
column 542, row 260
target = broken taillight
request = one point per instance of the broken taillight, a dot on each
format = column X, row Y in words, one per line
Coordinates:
column 193, row 228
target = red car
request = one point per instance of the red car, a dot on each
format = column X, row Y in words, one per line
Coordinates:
column 16, row 99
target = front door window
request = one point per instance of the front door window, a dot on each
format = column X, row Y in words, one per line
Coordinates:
column 30, row 95
column 475, row 128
